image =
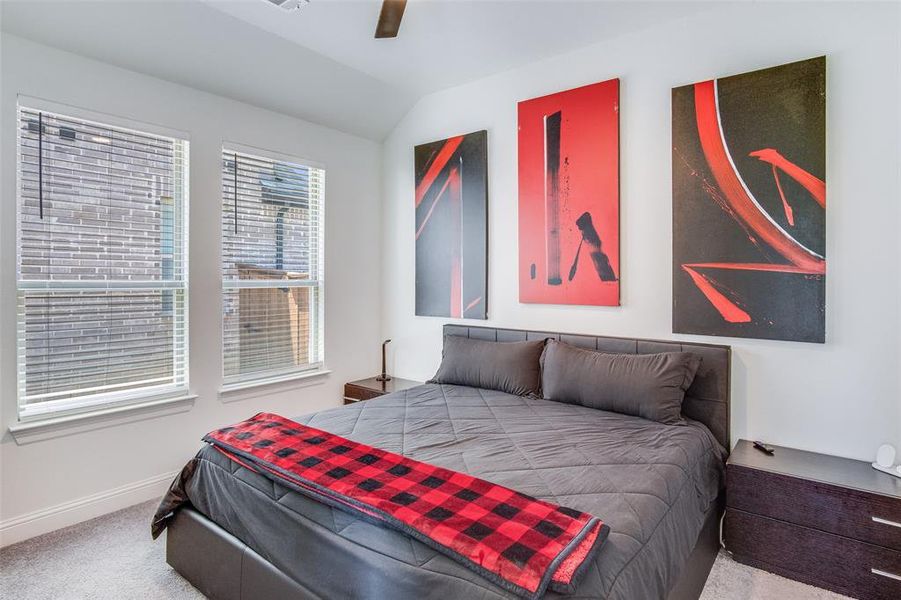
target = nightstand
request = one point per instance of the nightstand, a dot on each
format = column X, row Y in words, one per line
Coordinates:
column 830, row 522
column 366, row 389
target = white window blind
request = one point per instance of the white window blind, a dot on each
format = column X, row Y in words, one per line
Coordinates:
column 272, row 266
column 101, row 264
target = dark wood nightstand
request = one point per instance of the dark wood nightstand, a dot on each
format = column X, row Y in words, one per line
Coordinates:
column 827, row 521
column 366, row 389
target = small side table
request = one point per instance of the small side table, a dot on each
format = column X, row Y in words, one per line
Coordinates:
column 366, row 389
column 826, row 521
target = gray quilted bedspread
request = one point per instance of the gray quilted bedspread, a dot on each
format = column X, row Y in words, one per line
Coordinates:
column 652, row 484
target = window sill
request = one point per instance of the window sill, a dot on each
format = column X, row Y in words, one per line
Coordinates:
column 52, row 427
column 231, row 392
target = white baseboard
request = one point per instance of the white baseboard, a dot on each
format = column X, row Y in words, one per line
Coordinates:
column 62, row 515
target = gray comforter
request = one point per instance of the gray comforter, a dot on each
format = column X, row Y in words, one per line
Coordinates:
column 652, row 484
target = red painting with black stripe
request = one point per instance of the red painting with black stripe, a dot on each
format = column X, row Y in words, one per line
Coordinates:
column 749, row 204
column 569, row 197
column 452, row 227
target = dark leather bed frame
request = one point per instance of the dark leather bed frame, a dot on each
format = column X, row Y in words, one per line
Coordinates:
column 224, row 568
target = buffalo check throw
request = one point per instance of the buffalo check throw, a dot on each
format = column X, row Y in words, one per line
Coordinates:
column 523, row 544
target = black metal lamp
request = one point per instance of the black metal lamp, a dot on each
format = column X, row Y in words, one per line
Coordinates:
column 384, row 376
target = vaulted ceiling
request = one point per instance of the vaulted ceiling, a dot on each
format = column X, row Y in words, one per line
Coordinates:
column 321, row 63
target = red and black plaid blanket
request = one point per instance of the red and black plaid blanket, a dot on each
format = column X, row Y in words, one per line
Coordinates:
column 523, row 544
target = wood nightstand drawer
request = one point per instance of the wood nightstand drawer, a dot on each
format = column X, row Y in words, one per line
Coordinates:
column 367, row 389
column 353, row 393
column 847, row 566
column 852, row 513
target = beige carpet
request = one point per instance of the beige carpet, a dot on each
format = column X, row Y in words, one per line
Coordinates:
column 113, row 557
column 730, row 580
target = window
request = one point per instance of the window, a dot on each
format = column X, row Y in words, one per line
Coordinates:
column 101, row 265
column 272, row 272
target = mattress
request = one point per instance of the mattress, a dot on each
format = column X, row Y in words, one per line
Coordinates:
column 653, row 484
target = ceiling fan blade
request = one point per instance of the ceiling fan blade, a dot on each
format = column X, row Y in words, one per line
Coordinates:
column 389, row 18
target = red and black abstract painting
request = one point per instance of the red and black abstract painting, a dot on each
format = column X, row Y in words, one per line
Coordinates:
column 452, row 227
column 569, row 197
column 749, row 204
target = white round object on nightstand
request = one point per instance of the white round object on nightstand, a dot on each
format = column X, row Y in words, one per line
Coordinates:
column 885, row 456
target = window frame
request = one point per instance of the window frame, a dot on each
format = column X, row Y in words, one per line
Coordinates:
column 34, row 413
column 272, row 376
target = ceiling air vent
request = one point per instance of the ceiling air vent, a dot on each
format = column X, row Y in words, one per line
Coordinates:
column 288, row 4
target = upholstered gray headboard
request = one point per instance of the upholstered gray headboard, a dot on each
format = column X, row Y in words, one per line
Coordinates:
column 707, row 400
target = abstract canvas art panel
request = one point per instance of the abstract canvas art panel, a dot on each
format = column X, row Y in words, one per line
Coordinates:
column 452, row 227
column 749, row 204
column 569, row 197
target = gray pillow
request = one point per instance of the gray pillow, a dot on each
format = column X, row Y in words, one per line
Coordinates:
column 512, row 367
column 644, row 385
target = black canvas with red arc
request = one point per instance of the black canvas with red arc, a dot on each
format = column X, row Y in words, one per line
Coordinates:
column 523, row 544
column 749, row 204
column 452, row 227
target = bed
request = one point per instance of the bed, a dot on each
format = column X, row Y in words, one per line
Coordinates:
column 657, row 486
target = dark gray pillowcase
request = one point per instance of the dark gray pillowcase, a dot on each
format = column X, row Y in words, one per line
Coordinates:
column 644, row 385
column 512, row 367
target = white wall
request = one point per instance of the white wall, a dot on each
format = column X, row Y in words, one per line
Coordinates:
column 59, row 481
column 841, row 397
